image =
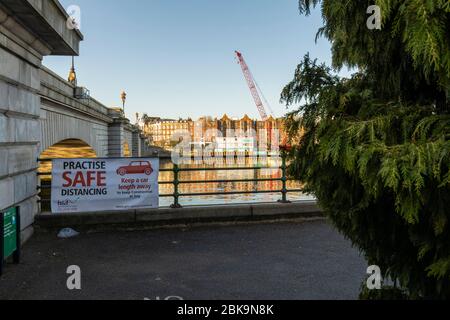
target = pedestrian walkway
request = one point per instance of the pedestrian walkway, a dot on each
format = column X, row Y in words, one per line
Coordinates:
column 308, row 260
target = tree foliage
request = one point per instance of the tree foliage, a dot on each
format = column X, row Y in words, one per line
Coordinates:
column 375, row 148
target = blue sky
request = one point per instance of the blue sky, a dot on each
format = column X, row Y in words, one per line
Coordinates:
column 175, row 58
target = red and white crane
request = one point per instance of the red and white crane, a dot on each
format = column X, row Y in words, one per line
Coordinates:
column 254, row 88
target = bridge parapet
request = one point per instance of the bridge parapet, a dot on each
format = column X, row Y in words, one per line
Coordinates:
column 63, row 116
column 55, row 88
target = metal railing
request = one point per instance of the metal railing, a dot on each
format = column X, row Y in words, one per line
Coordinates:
column 176, row 182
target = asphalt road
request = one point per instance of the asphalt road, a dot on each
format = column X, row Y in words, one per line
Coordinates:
column 307, row 260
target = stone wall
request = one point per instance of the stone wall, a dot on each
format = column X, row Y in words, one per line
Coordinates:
column 21, row 53
column 136, row 143
column 58, row 125
column 120, row 132
column 128, row 139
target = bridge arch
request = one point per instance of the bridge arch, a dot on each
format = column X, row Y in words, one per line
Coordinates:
column 59, row 124
column 68, row 148
column 126, row 149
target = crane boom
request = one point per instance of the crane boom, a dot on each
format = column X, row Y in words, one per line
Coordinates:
column 252, row 85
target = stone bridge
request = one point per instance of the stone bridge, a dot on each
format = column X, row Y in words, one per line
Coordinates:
column 39, row 109
column 64, row 117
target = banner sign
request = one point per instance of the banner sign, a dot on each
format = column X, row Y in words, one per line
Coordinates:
column 89, row 185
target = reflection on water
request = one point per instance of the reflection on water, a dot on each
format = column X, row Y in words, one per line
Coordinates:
column 229, row 186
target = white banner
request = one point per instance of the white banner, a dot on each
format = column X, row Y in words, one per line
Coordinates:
column 89, row 185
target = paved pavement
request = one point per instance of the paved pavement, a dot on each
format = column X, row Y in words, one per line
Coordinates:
column 308, row 260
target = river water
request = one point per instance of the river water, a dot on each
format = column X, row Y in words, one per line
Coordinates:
column 203, row 187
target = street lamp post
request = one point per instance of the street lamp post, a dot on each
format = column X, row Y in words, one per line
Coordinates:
column 123, row 96
column 72, row 74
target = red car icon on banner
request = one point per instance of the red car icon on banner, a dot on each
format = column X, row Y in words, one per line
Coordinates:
column 136, row 167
